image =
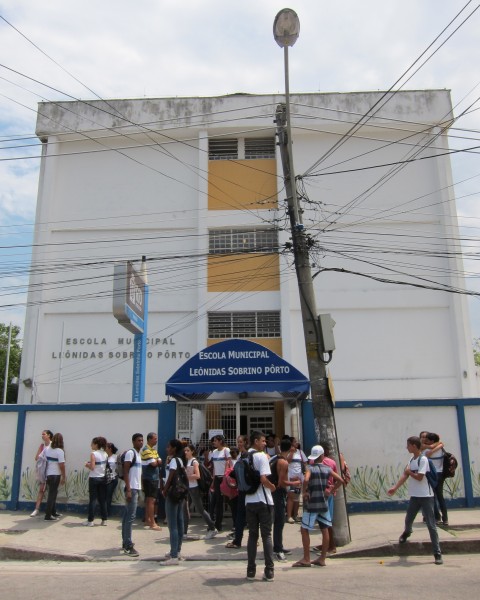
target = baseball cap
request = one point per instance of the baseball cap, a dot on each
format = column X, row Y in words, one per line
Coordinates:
column 316, row 452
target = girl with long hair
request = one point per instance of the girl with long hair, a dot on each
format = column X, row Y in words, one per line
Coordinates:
column 97, row 486
column 174, row 510
column 193, row 473
column 55, row 456
column 46, row 441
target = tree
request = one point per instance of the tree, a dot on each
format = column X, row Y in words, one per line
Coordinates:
column 13, row 363
column 476, row 351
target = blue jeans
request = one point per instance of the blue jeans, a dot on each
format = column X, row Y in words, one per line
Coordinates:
column 259, row 515
column 129, row 515
column 280, row 503
column 427, row 505
column 174, row 512
column 97, row 490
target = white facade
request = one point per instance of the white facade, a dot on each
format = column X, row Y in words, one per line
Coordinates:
column 131, row 178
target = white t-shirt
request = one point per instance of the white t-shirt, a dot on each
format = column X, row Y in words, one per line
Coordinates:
column 295, row 466
column 135, row 473
column 219, row 459
column 192, row 483
column 271, row 451
column 437, row 458
column 112, row 461
column 419, row 489
column 54, row 457
column 261, row 464
column 101, row 458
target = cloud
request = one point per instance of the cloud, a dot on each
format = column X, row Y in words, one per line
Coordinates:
column 121, row 49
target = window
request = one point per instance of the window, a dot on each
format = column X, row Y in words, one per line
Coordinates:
column 223, row 149
column 223, row 241
column 261, row 324
column 259, row 148
column 245, row 148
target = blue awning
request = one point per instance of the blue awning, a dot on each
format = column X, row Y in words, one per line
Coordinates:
column 238, row 367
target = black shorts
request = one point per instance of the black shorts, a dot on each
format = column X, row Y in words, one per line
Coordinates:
column 150, row 488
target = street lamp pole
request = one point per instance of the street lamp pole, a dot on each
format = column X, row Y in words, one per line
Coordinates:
column 286, row 29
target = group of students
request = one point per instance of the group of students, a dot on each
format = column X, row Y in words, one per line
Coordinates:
column 284, row 473
column 102, row 477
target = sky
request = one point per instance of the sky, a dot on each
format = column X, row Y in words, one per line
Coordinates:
column 60, row 50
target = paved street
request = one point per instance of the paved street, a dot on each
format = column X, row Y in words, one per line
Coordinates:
column 399, row 577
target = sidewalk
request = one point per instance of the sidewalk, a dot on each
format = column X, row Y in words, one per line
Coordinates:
column 373, row 534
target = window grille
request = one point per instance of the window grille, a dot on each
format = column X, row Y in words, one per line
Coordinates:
column 259, row 148
column 261, row 324
column 223, row 241
column 223, row 149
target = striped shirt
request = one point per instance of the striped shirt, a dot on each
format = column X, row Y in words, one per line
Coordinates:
column 317, row 484
column 149, row 455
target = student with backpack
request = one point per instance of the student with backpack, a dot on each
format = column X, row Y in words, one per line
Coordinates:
column 193, row 473
column 432, row 448
column 421, row 496
column 175, row 492
column 259, row 508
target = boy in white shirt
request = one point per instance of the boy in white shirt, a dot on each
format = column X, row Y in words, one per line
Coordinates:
column 421, row 496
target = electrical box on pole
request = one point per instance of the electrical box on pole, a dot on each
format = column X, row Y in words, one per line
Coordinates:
column 327, row 340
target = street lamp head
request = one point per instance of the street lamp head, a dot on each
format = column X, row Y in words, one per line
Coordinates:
column 286, row 27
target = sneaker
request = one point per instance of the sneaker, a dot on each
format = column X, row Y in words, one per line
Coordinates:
column 88, row 523
column 404, row 537
column 211, row 533
column 280, row 556
column 445, row 523
column 168, row 555
column 251, row 574
column 286, row 552
column 35, row 513
column 170, row 562
column 58, row 515
column 291, row 520
column 268, row 575
column 52, row 518
column 130, row 551
column 438, row 559
column 230, row 536
column 104, row 523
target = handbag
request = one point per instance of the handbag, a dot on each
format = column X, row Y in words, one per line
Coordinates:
column 41, row 468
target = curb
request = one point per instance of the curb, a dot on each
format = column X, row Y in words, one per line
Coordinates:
column 383, row 550
column 411, row 549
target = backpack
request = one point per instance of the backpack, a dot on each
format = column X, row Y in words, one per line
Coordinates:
column 248, row 479
column 229, row 486
column 273, row 477
column 431, row 474
column 206, row 478
column 450, row 463
column 121, row 461
column 178, row 489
